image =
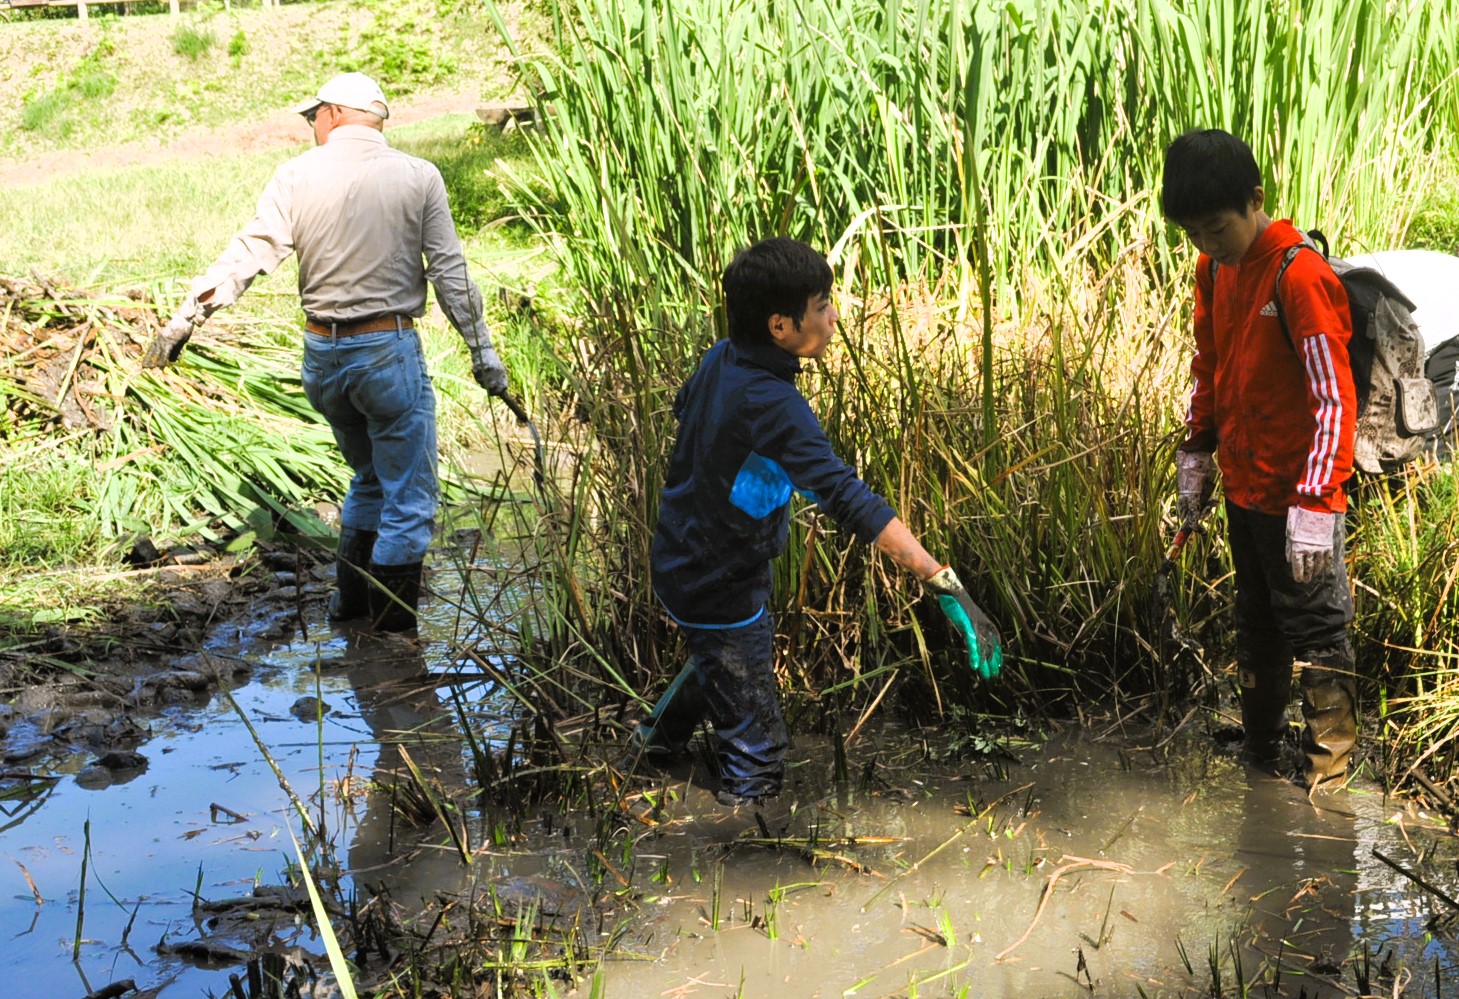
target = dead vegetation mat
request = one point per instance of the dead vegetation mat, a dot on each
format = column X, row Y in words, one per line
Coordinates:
column 59, row 343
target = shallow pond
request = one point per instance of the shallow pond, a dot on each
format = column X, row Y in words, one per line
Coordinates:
column 1086, row 864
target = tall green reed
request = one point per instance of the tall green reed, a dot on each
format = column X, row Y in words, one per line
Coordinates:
column 981, row 176
column 1407, row 543
column 682, row 131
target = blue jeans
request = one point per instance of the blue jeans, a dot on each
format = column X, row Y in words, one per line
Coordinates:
column 730, row 678
column 374, row 391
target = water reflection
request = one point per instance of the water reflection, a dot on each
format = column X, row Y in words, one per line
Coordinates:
column 399, row 841
column 1217, row 855
column 1302, row 880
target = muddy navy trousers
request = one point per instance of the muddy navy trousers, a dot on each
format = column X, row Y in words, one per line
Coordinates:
column 731, row 680
column 1278, row 618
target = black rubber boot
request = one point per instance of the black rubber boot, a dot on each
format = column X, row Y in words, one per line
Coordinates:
column 351, row 596
column 1329, row 709
column 395, row 596
column 665, row 733
column 1266, row 687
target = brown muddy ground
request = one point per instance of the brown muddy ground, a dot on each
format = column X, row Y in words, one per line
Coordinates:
column 71, row 689
column 1075, row 860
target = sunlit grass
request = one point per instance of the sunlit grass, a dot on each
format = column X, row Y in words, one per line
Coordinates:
column 45, row 514
column 193, row 40
column 262, row 60
column 169, row 221
column 32, row 599
column 1436, row 219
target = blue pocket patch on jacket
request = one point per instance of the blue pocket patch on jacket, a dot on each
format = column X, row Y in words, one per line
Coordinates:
column 761, row 487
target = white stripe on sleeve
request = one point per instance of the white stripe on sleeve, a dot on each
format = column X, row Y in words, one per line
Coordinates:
column 1322, row 380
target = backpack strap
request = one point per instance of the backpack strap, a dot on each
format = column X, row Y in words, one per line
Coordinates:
column 1380, row 286
column 1313, row 240
column 1287, row 259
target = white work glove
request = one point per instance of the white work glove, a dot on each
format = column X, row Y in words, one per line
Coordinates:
column 1310, row 542
column 167, row 345
column 1192, row 484
column 486, row 367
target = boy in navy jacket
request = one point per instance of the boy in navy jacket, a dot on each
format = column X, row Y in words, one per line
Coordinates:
column 747, row 440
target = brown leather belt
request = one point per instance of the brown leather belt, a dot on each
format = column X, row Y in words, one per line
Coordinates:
column 374, row 325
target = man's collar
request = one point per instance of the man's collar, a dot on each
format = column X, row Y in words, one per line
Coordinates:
column 356, row 132
column 770, row 357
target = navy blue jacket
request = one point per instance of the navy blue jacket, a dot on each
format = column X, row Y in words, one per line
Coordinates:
column 747, row 440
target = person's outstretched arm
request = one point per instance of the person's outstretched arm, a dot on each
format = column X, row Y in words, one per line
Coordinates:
column 258, row 248
column 902, row 548
column 456, row 293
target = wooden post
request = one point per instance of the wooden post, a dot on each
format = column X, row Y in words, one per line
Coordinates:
column 174, row 6
column 81, row 10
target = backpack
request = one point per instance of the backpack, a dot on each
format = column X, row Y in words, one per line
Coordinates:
column 1397, row 406
column 1442, row 368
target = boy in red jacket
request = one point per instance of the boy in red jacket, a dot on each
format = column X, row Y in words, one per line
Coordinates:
column 1276, row 405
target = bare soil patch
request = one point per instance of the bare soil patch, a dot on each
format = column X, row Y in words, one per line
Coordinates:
column 280, row 130
column 149, row 655
column 124, row 95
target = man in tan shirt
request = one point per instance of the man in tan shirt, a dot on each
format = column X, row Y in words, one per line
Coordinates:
column 371, row 226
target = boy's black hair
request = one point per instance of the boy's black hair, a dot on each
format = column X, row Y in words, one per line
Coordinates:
column 1207, row 171
column 774, row 276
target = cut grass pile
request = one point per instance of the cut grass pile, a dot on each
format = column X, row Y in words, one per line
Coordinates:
column 228, row 448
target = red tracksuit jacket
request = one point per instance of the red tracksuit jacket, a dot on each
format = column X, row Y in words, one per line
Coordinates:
column 1279, row 411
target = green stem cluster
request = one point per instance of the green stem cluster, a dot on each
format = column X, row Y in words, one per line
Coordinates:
column 981, row 177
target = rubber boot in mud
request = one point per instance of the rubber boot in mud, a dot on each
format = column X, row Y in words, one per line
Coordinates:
column 1329, row 711
column 395, row 596
column 664, row 735
column 351, row 596
column 1266, row 687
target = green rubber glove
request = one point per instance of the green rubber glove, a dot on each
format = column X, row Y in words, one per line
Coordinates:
column 985, row 649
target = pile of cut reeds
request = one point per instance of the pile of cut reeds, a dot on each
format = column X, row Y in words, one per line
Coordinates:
column 53, row 374
column 220, row 445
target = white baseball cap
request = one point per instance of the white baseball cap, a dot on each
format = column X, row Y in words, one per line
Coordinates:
column 349, row 90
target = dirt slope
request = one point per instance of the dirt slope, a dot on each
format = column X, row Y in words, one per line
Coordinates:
column 119, row 91
column 279, row 130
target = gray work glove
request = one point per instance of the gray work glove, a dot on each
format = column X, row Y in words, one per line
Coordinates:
column 985, row 649
column 167, row 345
column 1193, row 473
column 1311, row 538
column 486, row 367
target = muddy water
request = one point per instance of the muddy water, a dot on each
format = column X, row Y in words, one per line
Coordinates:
column 1082, row 866
column 1098, row 872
